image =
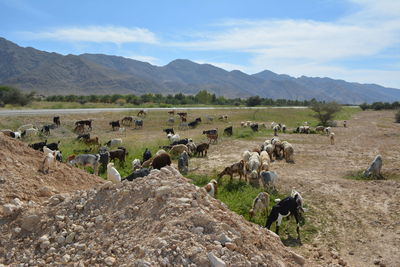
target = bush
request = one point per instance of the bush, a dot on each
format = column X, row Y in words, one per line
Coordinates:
column 397, row 116
column 11, row 95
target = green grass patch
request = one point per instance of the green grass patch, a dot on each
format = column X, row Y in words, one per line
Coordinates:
column 239, row 196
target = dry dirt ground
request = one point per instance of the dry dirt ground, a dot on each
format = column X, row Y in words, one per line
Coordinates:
column 358, row 219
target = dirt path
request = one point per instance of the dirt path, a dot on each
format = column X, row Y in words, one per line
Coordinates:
column 358, row 219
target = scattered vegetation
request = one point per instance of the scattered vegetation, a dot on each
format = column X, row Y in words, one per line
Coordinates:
column 11, row 95
column 397, row 116
column 380, row 105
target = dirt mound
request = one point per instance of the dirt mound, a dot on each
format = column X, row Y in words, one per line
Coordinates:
column 20, row 176
column 158, row 220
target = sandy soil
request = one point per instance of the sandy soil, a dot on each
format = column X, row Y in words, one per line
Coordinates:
column 360, row 220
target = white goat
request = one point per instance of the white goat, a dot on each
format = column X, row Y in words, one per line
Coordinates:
column 112, row 173
column 260, row 204
column 332, row 138
column 136, row 164
column 49, row 161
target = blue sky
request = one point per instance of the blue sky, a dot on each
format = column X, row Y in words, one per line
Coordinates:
column 354, row 40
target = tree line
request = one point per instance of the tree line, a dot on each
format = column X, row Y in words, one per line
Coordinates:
column 380, row 105
column 202, row 97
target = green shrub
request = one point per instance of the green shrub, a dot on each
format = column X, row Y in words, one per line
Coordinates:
column 397, row 116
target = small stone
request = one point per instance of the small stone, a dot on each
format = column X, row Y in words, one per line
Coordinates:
column 377, row 261
column 298, row 259
column 351, row 252
column 70, row 238
column 110, row 261
column 198, row 230
column 45, row 244
column 60, row 239
column 17, row 230
column 66, row 258
column 215, row 261
column 60, row 217
column 79, row 207
column 10, row 209
column 43, row 238
column 231, row 246
column 224, row 239
column 342, row 262
column 45, row 191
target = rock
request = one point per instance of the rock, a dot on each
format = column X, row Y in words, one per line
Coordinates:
column 224, row 239
column 215, row 261
column 60, row 239
column 298, row 259
column 17, row 202
column 110, row 261
column 43, row 238
column 231, row 246
column 162, row 191
column 377, row 261
column 45, row 191
column 45, row 244
column 30, row 222
column 11, row 209
column 2, row 179
column 66, row 258
column 342, row 262
column 198, row 230
column 70, row 238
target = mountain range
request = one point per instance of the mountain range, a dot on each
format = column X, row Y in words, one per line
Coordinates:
column 50, row 74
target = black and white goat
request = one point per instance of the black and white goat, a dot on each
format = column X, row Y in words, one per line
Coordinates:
column 292, row 205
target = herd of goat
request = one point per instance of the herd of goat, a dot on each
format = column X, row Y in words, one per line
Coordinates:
column 254, row 166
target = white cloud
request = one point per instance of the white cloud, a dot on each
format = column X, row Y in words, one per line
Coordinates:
column 312, row 47
column 98, row 34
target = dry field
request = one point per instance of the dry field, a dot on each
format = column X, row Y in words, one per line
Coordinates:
column 358, row 219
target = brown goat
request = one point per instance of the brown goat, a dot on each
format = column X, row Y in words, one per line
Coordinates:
column 202, row 148
column 92, row 141
column 213, row 137
column 161, row 160
column 234, row 168
column 118, row 154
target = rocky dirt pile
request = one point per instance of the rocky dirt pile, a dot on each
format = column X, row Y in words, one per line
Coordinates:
column 158, row 220
column 20, row 176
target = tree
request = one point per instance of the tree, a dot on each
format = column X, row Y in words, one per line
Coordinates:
column 253, row 101
column 12, row 95
column 325, row 111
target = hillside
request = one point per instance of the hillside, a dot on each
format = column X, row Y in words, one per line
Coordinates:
column 52, row 73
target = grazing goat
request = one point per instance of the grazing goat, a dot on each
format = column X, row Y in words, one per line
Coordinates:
column 138, row 124
column 86, row 160
column 332, row 138
column 183, row 141
column 112, row 174
column 212, row 131
column 161, row 160
column 30, row 132
column 237, row 167
column 85, row 122
column 45, row 130
column 177, row 149
column 375, row 168
column 127, row 121
column 56, row 121
column 146, row 155
column 173, row 137
column 115, row 125
column 192, row 147
column 223, row 118
column 183, row 163
column 328, row 130
column 53, row 146
column 268, row 179
column 137, row 174
column 228, row 131
column 136, row 164
column 254, row 127
column 92, row 141
column 288, row 151
column 170, row 121
column 104, row 157
column 118, row 154
column 202, row 149
column 291, row 205
column 38, row 146
column 260, row 205
column 24, row 127
column 114, row 142
column 213, row 138
column 344, row 124
column 169, row 131
column 142, row 113
column 319, row 128
column 212, row 188
column 79, row 129
column 82, row 137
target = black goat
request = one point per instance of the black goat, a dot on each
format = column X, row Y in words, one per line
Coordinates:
column 45, row 129
column 212, row 131
column 56, row 121
column 288, row 206
column 228, row 131
column 53, row 146
column 254, row 127
column 39, row 146
column 183, row 141
column 114, row 125
column 146, row 155
column 137, row 174
column 169, row 131
column 82, row 137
